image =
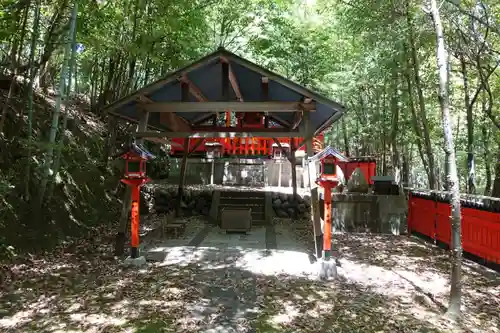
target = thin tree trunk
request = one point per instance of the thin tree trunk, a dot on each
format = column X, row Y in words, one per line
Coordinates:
column 394, row 127
column 55, row 122
column 57, row 159
column 32, row 74
column 487, row 161
column 414, row 120
column 495, row 192
column 452, row 177
column 23, row 34
column 486, row 147
column 345, row 136
column 471, row 183
column 421, row 102
column 13, row 82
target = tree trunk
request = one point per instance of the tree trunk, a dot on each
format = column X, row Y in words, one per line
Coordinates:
column 471, row 183
column 421, row 102
column 345, row 137
column 32, row 74
column 406, row 167
column 414, row 119
column 13, row 82
column 495, row 192
column 55, row 122
column 396, row 167
column 67, row 94
column 487, row 162
column 21, row 38
column 486, row 146
column 452, row 177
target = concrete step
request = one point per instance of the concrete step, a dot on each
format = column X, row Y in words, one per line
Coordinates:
column 242, row 201
column 256, row 213
column 256, row 201
column 242, row 205
column 242, row 194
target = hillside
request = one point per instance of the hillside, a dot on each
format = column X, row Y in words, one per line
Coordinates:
column 83, row 197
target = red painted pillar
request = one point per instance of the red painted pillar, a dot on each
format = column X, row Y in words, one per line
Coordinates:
column 327, row 233
column 134, row 251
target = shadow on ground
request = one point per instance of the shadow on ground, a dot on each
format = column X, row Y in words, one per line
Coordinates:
column 209, row 294
column 385, row 284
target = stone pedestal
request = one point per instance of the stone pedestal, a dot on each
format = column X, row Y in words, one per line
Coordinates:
column 135, row 262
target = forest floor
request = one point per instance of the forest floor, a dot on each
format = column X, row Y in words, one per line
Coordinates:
column 385, row 284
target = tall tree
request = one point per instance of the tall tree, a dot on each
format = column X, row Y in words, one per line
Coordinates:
column 49, row 157
column 452, row 175
column 32, row 74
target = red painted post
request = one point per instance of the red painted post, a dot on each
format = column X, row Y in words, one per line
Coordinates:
column 134, row 251
column 327, row 233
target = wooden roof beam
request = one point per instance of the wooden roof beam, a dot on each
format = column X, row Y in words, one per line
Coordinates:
column 218, row 134
column 193, row 89
column 224, row 129
column 299, row 116
column 157, row 140
column 173, row 121
column 280, row 121
column 198, row 94
column 297, row 119
column 233, row 80
column 271, row 106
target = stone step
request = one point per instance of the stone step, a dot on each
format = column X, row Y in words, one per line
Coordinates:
column 255, row 209
column 242, row 194
column 242, row 201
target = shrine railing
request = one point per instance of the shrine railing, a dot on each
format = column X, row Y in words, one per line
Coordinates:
column 429, row 214
column 241, row 146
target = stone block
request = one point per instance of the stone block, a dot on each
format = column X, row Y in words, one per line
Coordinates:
column 156, row 255
column 135, row 262
column 357, row 183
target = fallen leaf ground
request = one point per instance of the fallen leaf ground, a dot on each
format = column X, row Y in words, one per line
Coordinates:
column 385, row 284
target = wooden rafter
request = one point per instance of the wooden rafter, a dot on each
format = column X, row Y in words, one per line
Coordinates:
column 198, row 94
column 233, row 80
column 265, row 97
column 170, row 107
column 173, row 121
column 157, row 140
column 193, row 89
column 297, row 119
column 196, row 145
column 280, row 121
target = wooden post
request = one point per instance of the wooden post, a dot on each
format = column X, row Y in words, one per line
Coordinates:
column 182, row 176
column 279, row 173
column 294, row 170
column 134, row 241
column 212, row 172
column 311, row 166
column 327, row 244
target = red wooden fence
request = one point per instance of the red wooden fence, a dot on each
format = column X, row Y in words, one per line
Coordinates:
column 367, row 165
column 480, row 228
